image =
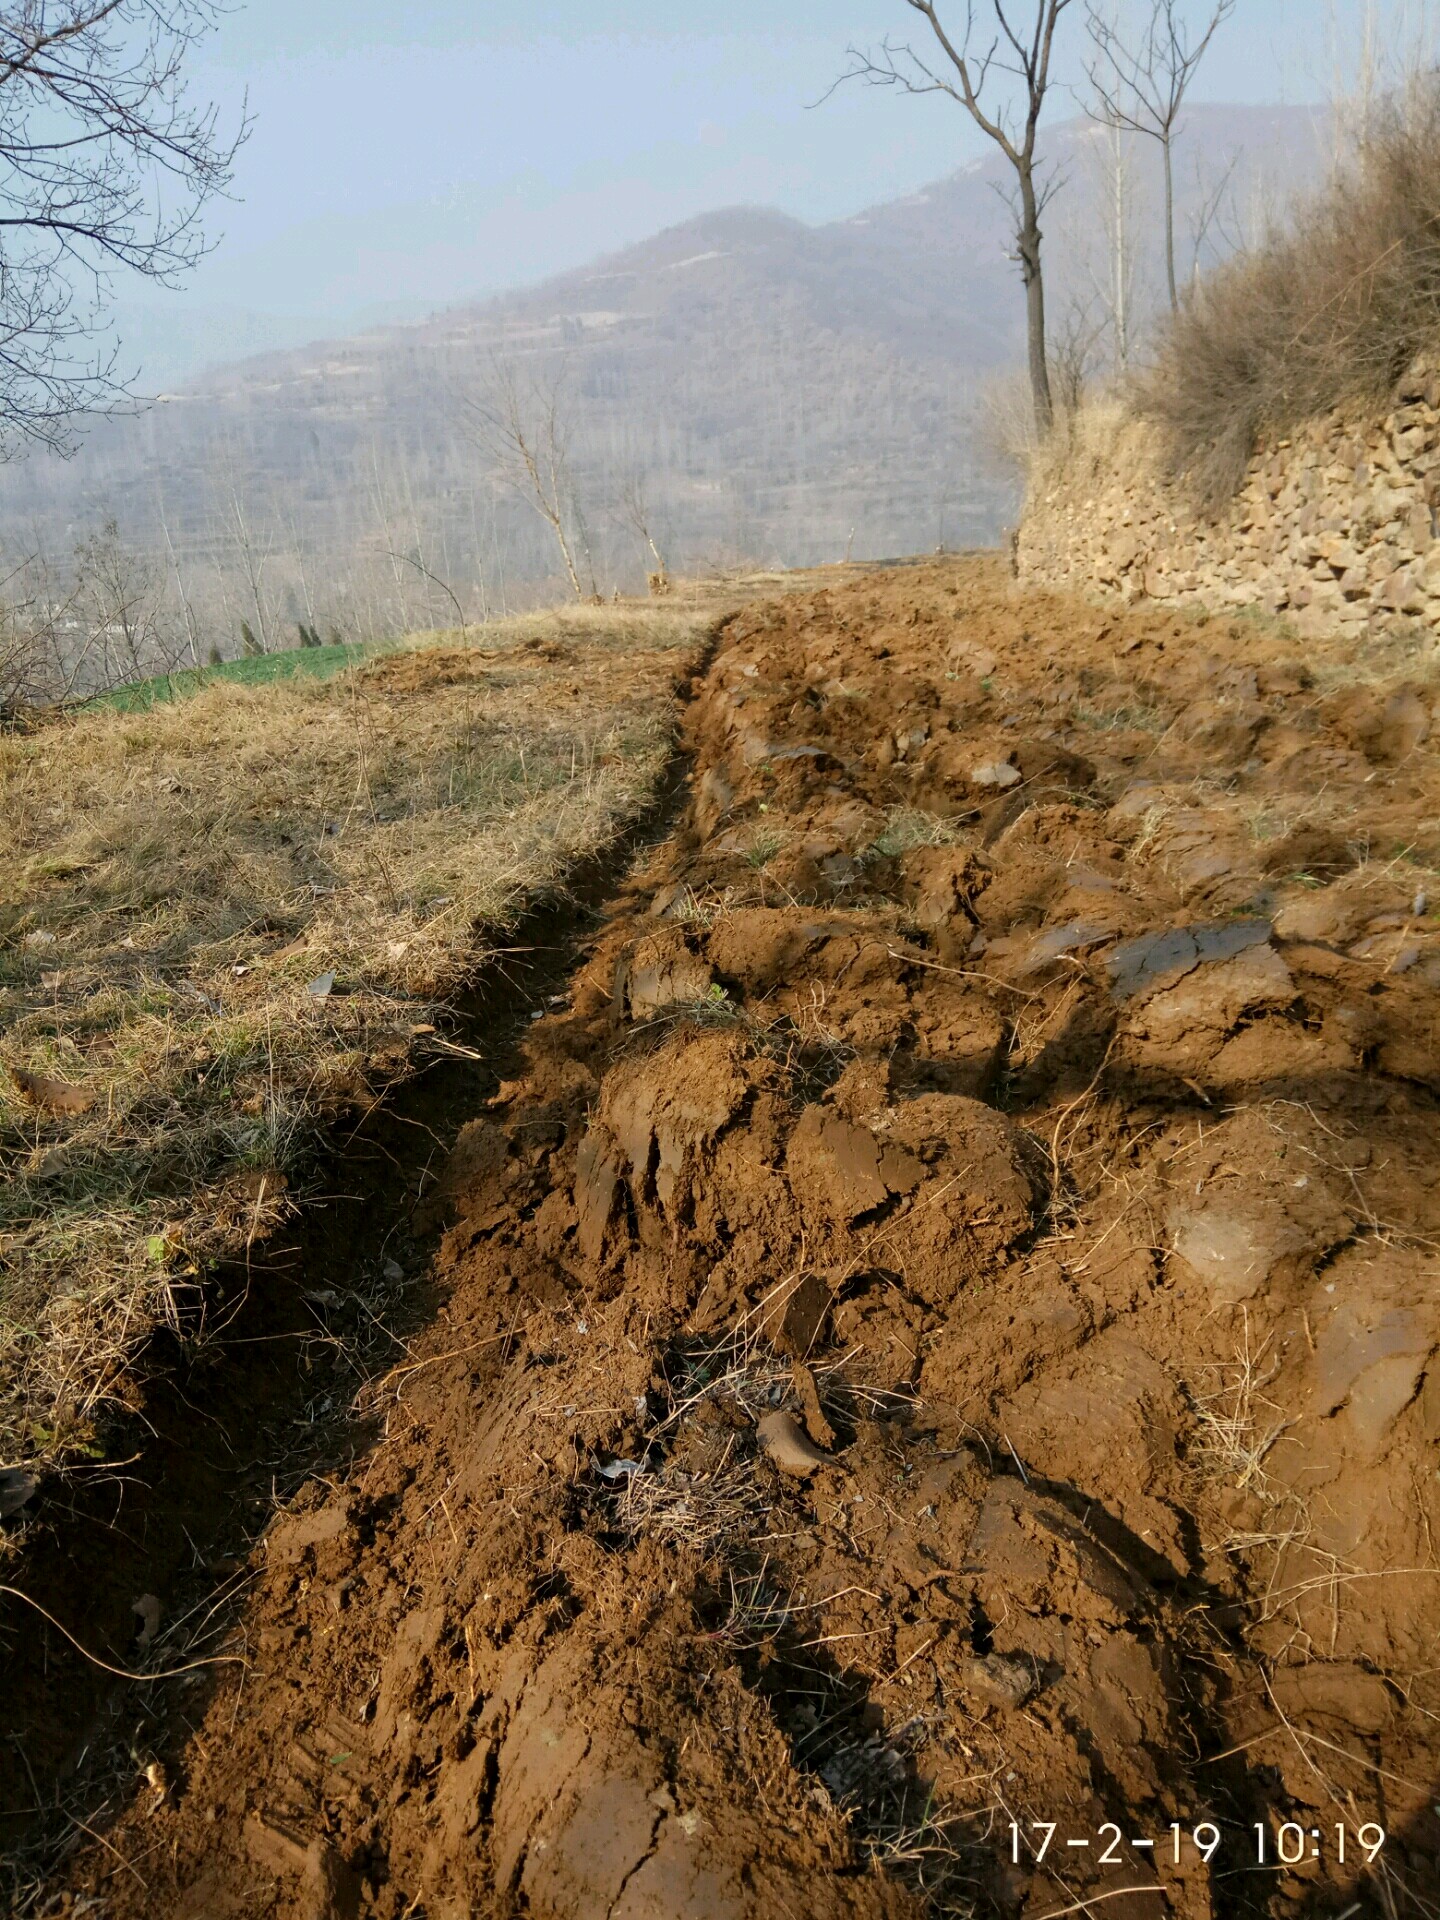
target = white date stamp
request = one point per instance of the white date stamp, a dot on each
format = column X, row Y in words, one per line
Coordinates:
column 1288, row 1844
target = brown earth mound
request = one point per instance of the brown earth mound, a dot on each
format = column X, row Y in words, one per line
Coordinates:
column 935, row 1400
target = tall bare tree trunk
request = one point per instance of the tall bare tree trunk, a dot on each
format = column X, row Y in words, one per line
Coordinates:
column 1028, row 246
column 1119, row 250
column 979, row 79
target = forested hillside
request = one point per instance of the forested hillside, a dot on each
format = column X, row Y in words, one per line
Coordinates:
column 741, row 388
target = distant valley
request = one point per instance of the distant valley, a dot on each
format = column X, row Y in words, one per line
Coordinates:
column 766, row 391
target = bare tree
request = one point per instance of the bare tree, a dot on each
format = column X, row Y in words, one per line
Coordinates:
column 253, row 554
column 1141, row 88
column 191, row 630
column 976, row 76
column 522, row 429
column 1116, row 285
column 1207, row 215
column 105, row 166
column 634, row 511
column 119, row 592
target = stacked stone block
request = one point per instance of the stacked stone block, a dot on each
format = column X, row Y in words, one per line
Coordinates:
column 1333, row 528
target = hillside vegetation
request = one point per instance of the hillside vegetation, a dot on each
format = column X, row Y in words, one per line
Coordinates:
column 1332, row 309
column 250, row 670
column 781, row 394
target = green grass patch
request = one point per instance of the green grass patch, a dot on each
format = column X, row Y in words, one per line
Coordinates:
column 259, row 670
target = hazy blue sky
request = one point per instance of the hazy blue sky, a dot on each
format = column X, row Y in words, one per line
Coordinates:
column 427, row 149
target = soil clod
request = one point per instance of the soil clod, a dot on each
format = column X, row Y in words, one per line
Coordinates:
column 940, row 1333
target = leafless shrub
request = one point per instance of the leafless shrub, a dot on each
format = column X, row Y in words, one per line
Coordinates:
column 25, row 676
column 523, row 429
column 86, row 625
column 1005, row 436
column 1073, row 356
column 1334, row 310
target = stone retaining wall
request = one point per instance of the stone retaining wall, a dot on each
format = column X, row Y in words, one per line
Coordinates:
column 1334, row 528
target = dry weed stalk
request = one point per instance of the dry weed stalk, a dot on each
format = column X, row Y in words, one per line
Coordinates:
column 1238, row 1425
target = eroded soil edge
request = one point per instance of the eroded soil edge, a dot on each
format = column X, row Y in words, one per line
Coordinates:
column 246, row 1405
column 938, row 1334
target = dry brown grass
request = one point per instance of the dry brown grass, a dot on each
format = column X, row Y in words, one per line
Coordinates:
column 1331, row 311
column 1237, row 1425
column 175, row 888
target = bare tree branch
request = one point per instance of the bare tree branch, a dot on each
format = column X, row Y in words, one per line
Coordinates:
column 1141, row 88
column 1019, row 51
column 105, row 167
column 414, row 560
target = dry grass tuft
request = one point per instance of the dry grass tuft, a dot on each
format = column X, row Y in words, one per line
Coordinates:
column 1237, row 1425
column 1332, row 311
column 697, row 1484
column 699, row 1487
column 909, row 827
column 226, row 919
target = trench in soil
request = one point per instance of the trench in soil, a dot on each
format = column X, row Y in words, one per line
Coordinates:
column 230, row 1428
column 935, row 1328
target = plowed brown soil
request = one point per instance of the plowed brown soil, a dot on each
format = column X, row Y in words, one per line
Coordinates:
column 941, row 1336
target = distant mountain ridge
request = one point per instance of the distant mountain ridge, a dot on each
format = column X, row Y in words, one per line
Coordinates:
column 176, row 343
column 788, row 392
column 938, row 251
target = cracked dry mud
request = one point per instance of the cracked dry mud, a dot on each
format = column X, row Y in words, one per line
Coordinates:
column 942, row 1334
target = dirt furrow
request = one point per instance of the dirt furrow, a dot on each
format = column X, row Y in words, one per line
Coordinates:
column 246, row 1401
column 936, row 1340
